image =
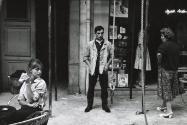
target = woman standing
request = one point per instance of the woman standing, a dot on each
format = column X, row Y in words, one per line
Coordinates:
column 168, row 60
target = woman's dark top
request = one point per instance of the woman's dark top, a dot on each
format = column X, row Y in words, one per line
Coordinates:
column 170, row 55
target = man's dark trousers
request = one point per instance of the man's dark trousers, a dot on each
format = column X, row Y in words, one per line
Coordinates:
column 103, row 80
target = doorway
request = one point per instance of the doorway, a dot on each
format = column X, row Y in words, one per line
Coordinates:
column 158, row 18
column 60, row 36
column 17, row 39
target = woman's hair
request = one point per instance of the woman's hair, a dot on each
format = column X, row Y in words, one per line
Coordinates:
column 34, row 63
column 168, row 33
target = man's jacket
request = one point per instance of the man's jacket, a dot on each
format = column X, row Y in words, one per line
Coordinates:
column 91, row 55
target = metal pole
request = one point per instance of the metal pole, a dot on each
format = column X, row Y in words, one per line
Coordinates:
column 142, row 52
column 133, row 11
column 113, row 31
column 49, row 52
column 55, row 54
column 143, row 62
column 145, row 39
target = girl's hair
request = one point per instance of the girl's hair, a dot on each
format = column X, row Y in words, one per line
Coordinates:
column 168, row 33
column 34, row 63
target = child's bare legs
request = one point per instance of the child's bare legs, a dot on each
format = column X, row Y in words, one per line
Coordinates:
column 169, row 108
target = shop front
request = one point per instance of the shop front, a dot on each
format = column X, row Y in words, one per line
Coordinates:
column 124, row 36
column 73, row 25
column 126, row 27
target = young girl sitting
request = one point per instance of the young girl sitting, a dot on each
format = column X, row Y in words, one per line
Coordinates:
column 32, row 95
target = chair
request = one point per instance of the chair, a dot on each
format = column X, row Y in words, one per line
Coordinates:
column 11, row 99
column 15, row 85
column 37, row 118
column 14, row 102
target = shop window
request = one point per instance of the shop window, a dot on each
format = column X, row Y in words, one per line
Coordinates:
column 120, row 40
column 16, row 9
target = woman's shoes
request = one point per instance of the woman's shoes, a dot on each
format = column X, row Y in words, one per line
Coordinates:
column 160, row 108
column 168, row 115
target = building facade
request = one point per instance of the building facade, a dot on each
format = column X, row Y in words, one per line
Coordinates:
column 25, row 34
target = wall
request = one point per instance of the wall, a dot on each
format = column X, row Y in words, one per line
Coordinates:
column 84, row 16
column 101, row 14
column 73, row 60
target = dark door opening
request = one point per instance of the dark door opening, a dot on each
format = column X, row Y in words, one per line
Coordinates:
column 60, row 40
column 158, row 18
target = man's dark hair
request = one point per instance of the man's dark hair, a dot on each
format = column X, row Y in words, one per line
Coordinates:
column 98, row 28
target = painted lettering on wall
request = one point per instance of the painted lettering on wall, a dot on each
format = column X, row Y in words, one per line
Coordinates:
column 173, row 11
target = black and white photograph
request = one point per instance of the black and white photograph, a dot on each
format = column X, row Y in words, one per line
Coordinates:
column 93, row 62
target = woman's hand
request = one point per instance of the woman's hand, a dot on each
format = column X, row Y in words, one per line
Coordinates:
column 30, row 79
column 25, row 76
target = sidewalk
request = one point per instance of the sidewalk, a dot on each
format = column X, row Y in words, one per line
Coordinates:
column 69, row 110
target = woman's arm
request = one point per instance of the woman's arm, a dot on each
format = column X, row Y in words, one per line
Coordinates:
column 39, row 92
column 21, row 98
column 159, row 58
column 24, row 78
column 25, row 103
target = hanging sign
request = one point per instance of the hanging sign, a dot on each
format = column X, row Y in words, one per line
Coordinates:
column 174, row 11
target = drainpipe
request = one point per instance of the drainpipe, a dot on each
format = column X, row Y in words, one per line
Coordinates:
column 55, row 53
column 49, row 52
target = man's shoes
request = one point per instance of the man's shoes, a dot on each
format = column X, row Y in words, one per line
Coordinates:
column 106, row 108
column 88, row 108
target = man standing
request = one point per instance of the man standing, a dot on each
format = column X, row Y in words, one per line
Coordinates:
column 98, row 56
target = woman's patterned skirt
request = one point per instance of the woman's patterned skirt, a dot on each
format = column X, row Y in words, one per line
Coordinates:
column 168, row 85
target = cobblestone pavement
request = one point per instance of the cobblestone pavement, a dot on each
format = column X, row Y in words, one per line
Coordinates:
column 69, row 110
